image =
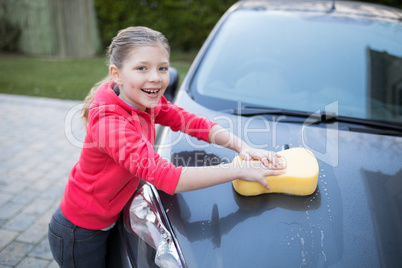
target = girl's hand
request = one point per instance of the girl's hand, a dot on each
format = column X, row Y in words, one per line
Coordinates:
column 256, row 171
column 270, row 159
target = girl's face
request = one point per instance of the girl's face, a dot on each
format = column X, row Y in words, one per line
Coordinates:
column 143, row 77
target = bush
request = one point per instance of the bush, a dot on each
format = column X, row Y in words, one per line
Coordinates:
column 186, row 23
column 9, row 35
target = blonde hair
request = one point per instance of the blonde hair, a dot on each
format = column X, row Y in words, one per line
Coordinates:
column 122, row 45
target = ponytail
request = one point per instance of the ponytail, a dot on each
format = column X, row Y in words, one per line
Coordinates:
column 90, row 98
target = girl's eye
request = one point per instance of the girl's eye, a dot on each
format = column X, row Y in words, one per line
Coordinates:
column 163, row 69
column 141, row 68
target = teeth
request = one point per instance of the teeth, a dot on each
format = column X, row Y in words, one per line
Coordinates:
column 150, row 91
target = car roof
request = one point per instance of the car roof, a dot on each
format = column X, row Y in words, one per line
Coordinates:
column 346, row 8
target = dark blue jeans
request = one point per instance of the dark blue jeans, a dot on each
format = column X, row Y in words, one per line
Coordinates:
column 73, row 246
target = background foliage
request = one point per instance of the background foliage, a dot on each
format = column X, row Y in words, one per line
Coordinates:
column 186, row 23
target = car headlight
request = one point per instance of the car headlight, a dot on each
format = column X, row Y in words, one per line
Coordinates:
column 147, row 221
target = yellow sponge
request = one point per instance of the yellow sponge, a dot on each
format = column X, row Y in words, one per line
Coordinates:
column 300, row 177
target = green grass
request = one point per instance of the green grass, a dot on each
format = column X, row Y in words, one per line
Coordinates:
column 63, row 79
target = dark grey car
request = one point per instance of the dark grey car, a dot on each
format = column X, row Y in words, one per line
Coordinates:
column 280, row 74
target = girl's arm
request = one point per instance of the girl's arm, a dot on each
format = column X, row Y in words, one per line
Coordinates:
column 221, row 136
column 193, row 178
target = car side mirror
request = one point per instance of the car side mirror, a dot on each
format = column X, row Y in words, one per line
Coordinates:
column 173, row 83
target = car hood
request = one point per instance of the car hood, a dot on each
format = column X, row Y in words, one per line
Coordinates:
column 353, row 218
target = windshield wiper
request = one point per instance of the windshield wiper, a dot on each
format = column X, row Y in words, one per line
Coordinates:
column 376, row 127
column 322, row 117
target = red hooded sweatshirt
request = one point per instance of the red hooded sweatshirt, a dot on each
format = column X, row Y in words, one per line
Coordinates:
column 118, row 152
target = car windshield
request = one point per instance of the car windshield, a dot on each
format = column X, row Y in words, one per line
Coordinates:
column 304, row 61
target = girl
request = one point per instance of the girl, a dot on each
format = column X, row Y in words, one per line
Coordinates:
column 118, row 150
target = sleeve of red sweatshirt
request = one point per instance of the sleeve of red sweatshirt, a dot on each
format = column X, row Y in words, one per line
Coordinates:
column 123, row 142
column 179, row 119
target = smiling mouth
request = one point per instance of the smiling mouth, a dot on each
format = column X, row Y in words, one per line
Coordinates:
column 148, row 91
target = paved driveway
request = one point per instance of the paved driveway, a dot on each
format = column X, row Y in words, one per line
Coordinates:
column 39, row 143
